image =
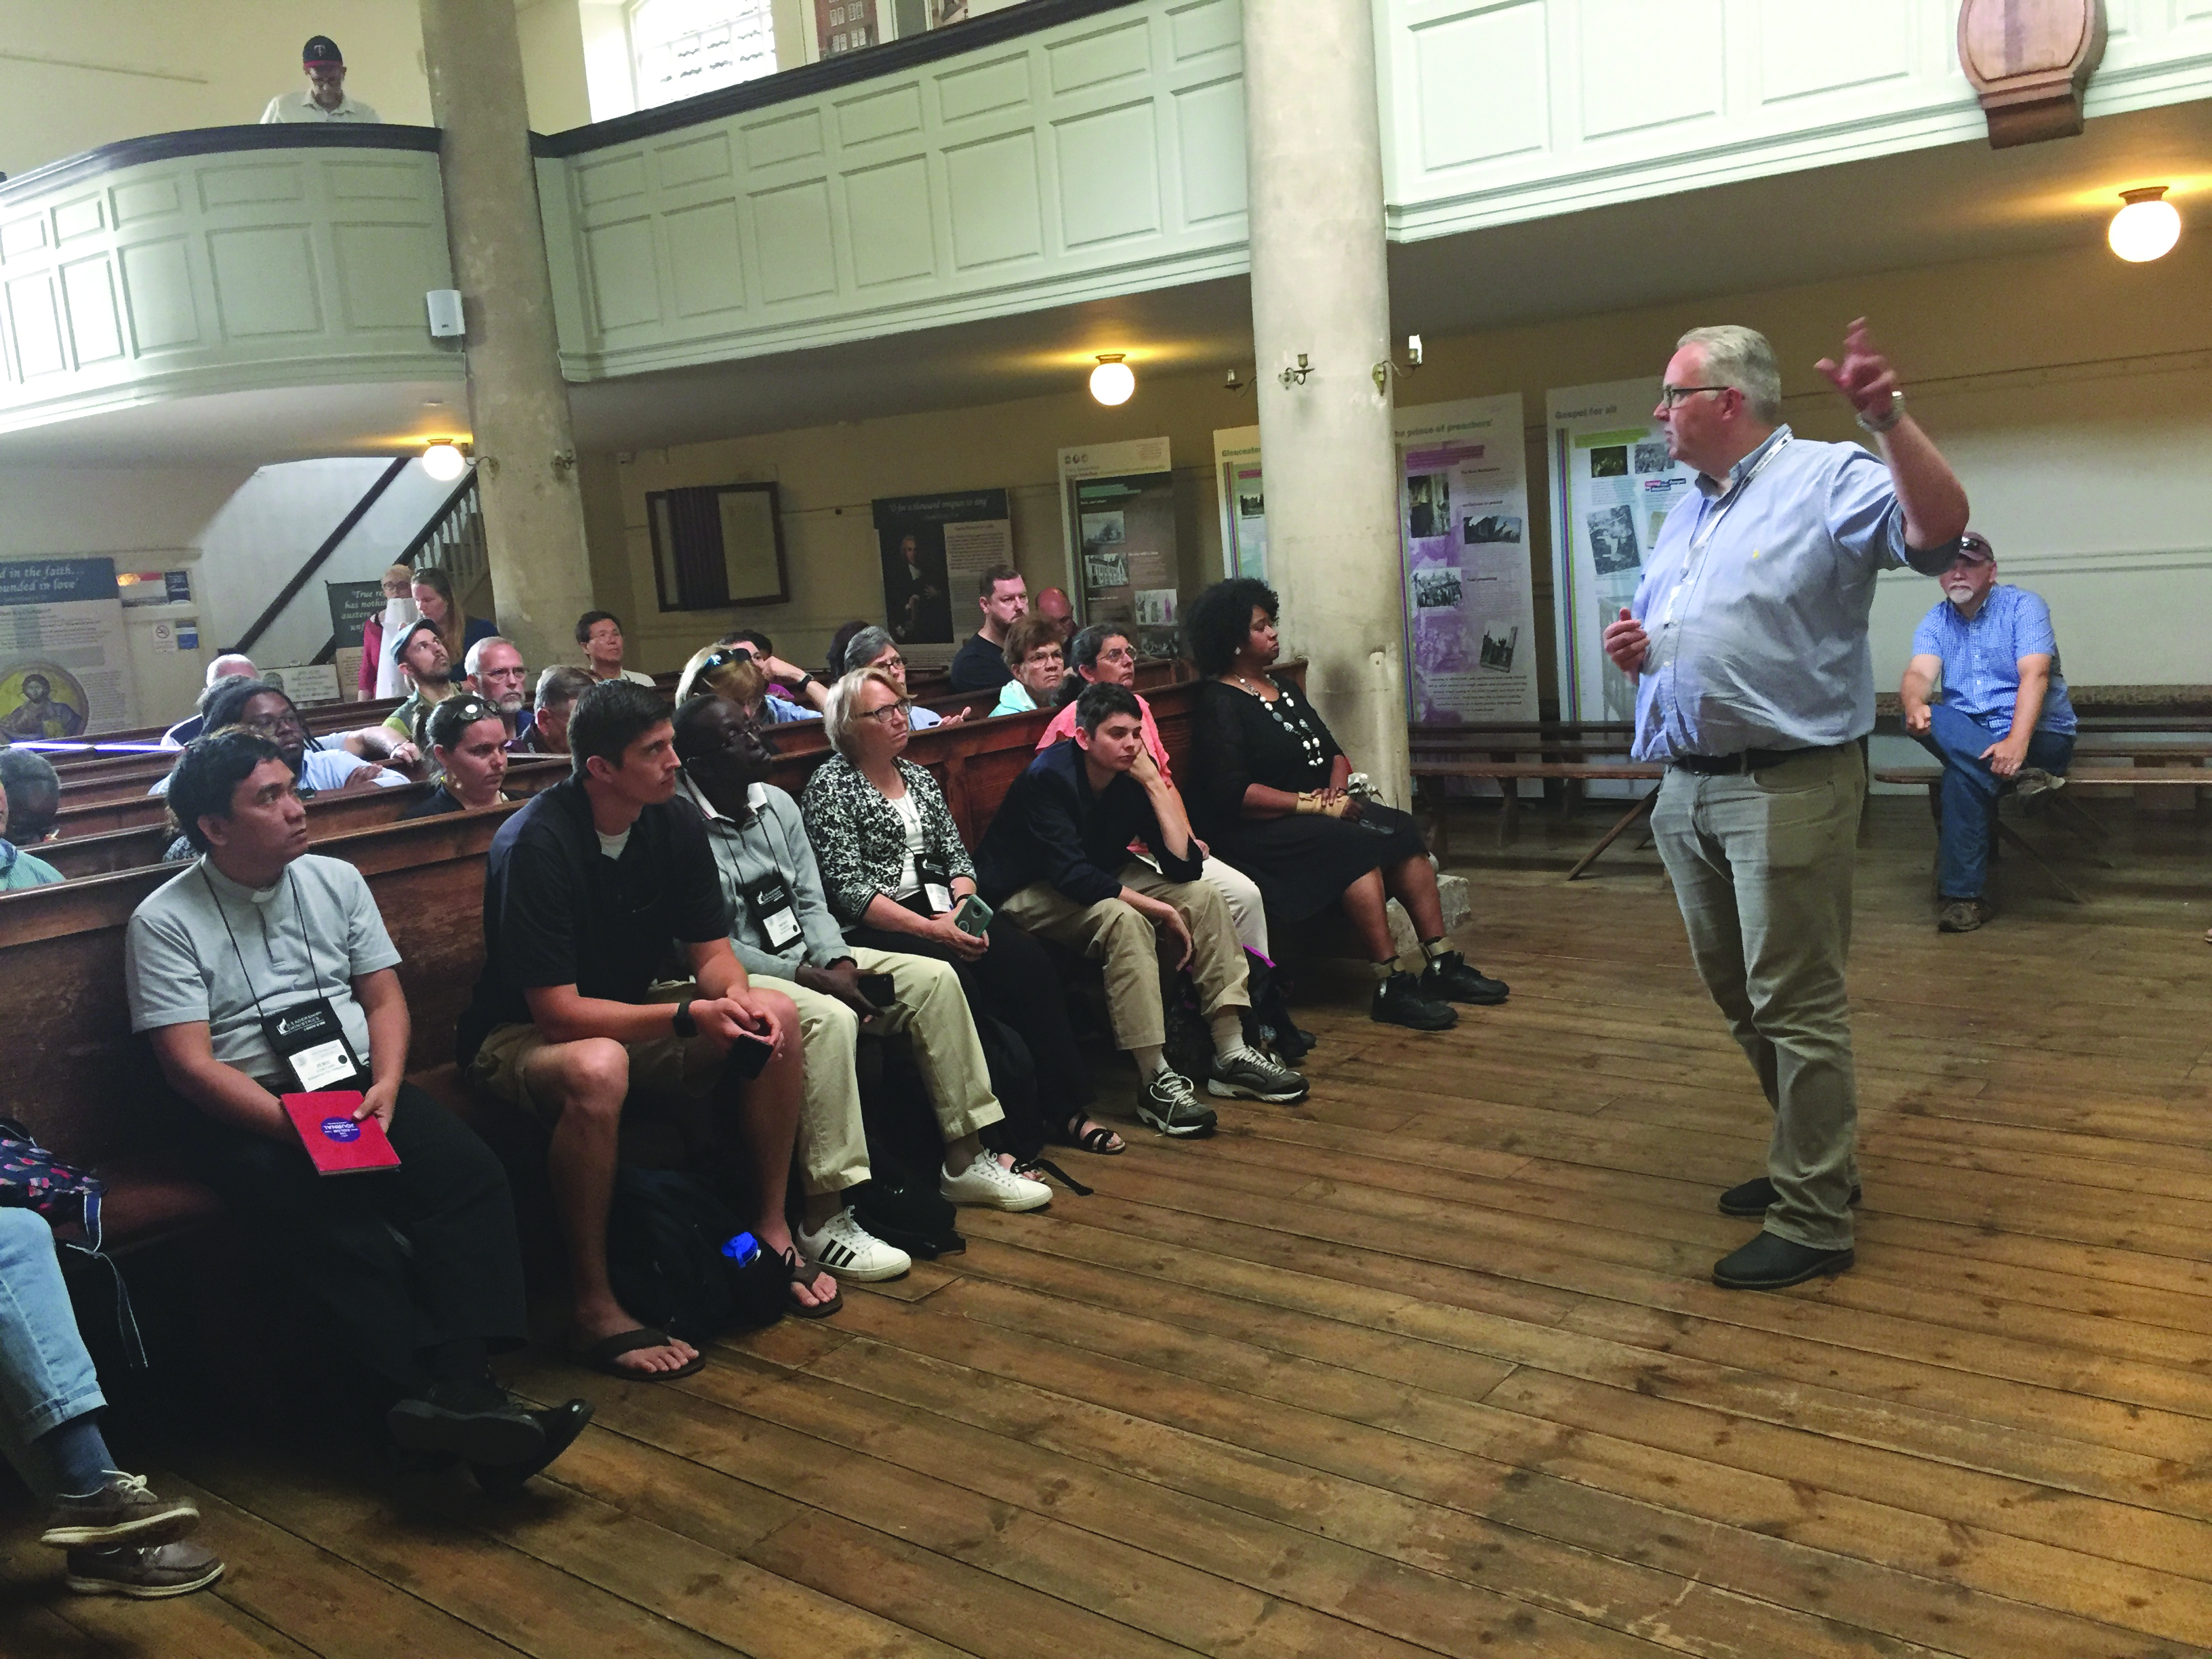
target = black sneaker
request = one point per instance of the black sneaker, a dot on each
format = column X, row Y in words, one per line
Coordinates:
column 1452, row 978
column 1756, row 1197
column 1771, row 1262
column 1401, row 1000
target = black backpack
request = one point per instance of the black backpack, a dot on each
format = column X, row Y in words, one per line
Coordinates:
column 665, row 1231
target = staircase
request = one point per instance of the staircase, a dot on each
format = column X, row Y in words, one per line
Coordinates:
column 453, row 541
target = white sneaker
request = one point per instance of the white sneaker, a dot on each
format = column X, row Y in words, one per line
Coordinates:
column 991, row 1184
column 851, row 1251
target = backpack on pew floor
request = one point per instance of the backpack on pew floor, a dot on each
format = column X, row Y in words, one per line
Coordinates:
column 899, row 1203
column 665, row 1231
column 67, row 1198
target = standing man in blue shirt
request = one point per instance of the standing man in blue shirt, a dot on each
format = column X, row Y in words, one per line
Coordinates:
column 2002, row 714
column 1748, row 641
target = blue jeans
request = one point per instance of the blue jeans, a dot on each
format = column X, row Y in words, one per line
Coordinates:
column 1969, row 793
column 46, row 1375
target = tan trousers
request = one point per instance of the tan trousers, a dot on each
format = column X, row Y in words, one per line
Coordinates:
column 1762, row 870
column 931, row 1009
column 1114, row 933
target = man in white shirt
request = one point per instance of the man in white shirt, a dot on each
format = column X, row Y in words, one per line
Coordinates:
column 325, row 98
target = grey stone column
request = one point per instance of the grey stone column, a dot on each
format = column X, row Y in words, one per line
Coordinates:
column 518, row 402
column 1321, row 286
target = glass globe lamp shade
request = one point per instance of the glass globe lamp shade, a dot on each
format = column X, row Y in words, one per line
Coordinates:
column 2146, row 227
column 444, row 462
column 1112, row 381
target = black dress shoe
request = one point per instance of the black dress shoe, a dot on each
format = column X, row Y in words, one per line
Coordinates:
column 1400, row 1000
column 1771, row 1262
column 561, row 1424
column 1755, row 1198
column 1452, row 978
column 474, row 1430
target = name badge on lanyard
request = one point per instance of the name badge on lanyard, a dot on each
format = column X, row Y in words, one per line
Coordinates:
column 936, row 884
column 313, row 1044
column 770, row 902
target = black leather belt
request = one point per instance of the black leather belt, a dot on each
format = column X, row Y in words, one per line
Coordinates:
column 1748, row 760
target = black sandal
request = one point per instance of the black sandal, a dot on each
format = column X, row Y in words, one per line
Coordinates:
column 1098, row 1139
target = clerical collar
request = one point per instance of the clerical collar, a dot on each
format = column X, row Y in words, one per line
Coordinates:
column 228, row 889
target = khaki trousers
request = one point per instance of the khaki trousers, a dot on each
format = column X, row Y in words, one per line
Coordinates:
column 1762, row 870
column 1116, row 935
column 931, row 1009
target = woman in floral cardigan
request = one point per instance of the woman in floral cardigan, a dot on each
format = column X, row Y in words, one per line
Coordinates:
column 895, row 871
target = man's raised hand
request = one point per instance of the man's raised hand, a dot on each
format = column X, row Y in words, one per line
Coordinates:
column 1864, row 376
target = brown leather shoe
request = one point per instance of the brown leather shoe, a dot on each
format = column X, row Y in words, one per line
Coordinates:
column 147, row 1574
column 123, row 1512
column 1961, row 916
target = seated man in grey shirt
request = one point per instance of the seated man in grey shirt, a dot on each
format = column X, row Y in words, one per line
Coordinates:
column 264, row 970
column 784, row 934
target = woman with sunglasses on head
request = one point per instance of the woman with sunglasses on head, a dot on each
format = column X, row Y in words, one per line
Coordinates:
column 1269, row 789
column 737, row 673
column 897, row 877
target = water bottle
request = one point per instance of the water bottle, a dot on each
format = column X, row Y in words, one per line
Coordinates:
column 742, row 1249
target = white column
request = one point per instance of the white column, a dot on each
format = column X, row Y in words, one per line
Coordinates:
column 518, row 402
column 1321, row 286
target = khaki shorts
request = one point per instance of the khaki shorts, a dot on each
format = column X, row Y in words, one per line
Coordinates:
column 663, row 1065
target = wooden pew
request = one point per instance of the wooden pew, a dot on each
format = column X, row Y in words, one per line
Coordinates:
column 321, row 718
column 328, row 815
column 89, row 1090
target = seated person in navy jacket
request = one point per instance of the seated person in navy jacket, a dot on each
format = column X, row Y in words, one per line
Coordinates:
column 1056, row 860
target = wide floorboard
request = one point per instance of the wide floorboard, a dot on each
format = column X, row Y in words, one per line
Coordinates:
column 1429, row 1365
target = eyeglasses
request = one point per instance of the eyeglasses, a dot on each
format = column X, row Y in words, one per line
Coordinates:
column 1672, row 395
column 898, row 663
column 892, row 713
column 722, row 658
column 1118, row 653
column 264, row 725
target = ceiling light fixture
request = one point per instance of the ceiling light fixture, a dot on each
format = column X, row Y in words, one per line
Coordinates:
column 1112, row 381
column 2146, row 227
column 445, row 462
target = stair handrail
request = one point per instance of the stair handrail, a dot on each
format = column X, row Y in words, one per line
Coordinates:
column 412, row 553
column 321, row 556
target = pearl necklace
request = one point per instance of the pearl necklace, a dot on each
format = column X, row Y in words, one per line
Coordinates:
column 1304, row 735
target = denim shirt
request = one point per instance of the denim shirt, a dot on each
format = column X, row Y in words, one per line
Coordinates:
column 1981, row 658
column 1758, row 635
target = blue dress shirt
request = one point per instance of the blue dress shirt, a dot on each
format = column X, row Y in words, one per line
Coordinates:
column 1756, row 600
column 1981, row 658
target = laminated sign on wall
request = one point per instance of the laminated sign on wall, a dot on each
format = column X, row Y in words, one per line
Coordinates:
column 65, row 665
column 1613, row 485
column 1117, row 504
column 934, row 550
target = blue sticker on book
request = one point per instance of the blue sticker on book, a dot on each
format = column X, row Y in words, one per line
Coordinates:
column 341, row 1129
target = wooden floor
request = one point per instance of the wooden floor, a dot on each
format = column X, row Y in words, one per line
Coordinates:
column 1430, row 1364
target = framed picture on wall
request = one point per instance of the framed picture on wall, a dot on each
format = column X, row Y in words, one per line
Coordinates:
column 717, row 545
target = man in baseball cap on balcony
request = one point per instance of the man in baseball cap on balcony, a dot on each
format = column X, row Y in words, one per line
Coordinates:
column 325, row 98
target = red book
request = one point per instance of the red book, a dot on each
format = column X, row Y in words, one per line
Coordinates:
column 337, row 1144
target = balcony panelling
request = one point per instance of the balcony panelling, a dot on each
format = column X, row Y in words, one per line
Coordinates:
column 1497, row 111
column 124, row 280
column 1099, row 157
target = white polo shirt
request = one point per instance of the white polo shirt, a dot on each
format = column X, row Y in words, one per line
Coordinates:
column 288, row 106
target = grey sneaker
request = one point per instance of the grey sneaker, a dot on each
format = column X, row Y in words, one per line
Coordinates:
column 2032, row 780
column 123, row 1512
column 1170, row 1105
column 146, row 1574
column 1247, row 1074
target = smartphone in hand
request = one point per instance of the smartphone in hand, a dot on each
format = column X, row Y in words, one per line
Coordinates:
column 973, row 916
column 750, row 1055
column 879, row 988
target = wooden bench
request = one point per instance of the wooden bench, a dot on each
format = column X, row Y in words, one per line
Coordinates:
column 90, row 1090
column 2077, row 778
column 328, row 815
column 1565, row 752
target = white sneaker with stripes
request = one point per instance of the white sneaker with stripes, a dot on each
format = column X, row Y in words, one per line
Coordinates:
column 850, row 1251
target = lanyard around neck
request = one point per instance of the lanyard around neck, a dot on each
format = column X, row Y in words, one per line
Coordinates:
column 299, row 911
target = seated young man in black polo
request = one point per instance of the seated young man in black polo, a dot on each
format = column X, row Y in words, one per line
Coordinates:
column 1056, row 860
column 468, row 744
column 590, row 891
column 264, row 969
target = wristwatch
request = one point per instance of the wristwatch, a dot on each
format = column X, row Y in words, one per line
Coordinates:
column 1882, row 423
column 683, row 1023
column 803, row 682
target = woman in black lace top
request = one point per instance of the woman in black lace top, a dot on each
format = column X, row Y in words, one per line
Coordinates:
column 1268, row 793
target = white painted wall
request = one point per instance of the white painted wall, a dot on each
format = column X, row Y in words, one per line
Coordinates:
column 265, row 532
